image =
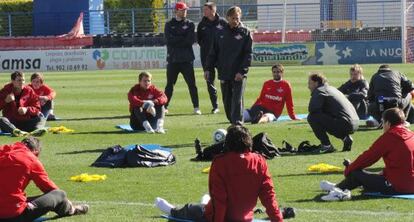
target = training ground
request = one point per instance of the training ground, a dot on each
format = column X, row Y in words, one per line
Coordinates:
column 92, row 103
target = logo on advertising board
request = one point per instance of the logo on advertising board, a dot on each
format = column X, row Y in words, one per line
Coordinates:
column 10, row 63
column 100, row 57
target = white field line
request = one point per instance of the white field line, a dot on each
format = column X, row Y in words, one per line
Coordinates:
column 319, row 211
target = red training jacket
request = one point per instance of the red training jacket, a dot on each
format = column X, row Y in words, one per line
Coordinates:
column 137, row 95
column 396, row 147
column 28, row 99
column 45, row 90
column 274, row 95
column 18, row 166
column 236, row 180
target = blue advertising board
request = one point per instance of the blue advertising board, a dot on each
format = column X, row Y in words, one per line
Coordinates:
column 362, row 52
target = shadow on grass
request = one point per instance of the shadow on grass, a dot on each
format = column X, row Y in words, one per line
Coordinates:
column 366, row 128
column 317, row 198
column 82, row 151
column 309, row 174
column 93, row 118
column 109, row 132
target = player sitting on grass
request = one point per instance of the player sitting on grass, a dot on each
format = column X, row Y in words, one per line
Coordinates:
column 21, row 108
column 45, row 93
column 396, row 147
column 19, row 164
column 237, row 178
column 269, row 105
column 146, row 104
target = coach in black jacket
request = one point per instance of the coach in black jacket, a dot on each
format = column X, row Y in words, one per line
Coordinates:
column 393, row 87
column 232, row 53
column 209, row 26
column 356, row 90
column 179, row 33
column 330, row 111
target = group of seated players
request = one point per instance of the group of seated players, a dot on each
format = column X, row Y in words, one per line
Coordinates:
column 231, row 197
column 26, row 108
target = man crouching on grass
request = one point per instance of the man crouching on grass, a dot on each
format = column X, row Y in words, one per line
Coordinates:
column 237, row 178
column 19, row 164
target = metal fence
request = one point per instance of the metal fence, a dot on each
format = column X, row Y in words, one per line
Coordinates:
column 261, row 18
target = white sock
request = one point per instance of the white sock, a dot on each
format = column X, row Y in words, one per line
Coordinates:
column 160, row 124
column 147, row 126
column 163, row 205
column 205, row 199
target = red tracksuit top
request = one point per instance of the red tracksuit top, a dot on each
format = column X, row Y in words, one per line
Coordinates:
column 396, row 147
column 28, row 99
column 137, row 95
column 45, row 90
column 274, row 95
column 18, row 166
column 236, row 180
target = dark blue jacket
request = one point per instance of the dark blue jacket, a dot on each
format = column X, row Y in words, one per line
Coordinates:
column 180, row 38
column 231, row 52
column 206, row 30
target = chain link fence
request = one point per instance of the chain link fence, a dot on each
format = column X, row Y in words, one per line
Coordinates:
column 261, row 18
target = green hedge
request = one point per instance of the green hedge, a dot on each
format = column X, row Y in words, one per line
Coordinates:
column 16, row 6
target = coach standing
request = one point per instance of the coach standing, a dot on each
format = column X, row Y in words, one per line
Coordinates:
column 179, row 33
column 209, row 26
column 231, row 53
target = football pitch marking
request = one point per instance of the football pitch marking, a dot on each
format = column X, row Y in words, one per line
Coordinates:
column 319, row 211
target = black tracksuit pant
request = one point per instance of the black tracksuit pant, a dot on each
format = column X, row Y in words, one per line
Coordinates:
column 371, row 182
column 211, row 88
column 187, row 69
column 55, row 201
column 233, row 92
column 34, row 123
column 139, row 115
column 322, row 124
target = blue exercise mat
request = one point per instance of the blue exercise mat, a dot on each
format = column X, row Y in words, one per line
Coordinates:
column 4, row 134
column 126, row 127
column 378, row 194
column 148, row 147
column 183, row 220
column 287, row 118
column 40, row 219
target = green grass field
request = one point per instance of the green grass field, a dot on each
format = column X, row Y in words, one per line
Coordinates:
column 92, row 103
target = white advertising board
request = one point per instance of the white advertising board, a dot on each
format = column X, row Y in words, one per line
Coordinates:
column 87, row 59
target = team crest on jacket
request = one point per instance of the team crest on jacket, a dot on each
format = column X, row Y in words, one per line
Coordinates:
column 185, row 27
column 280, row 90
column 238, row 37
column 219, row 26
column 150, row 96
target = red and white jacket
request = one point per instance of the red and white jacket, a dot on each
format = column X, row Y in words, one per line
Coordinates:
column 396, row 148
column 236, row 181
column 274, row 95
column 28, row 99
column 45, row 90
column 137, row 95
column 19, row 166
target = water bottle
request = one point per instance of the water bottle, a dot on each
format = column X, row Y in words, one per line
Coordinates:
column 381, row 103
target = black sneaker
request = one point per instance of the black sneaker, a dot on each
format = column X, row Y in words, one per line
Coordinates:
column 257, row 118
column 347, row 143
column 80, row 209
column 288, row 212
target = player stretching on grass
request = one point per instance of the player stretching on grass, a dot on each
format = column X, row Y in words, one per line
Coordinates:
column 396, row 148
column 21, row 108
column 269, row 105
column 19, row 165
column 146, row 105
column 237, row 178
